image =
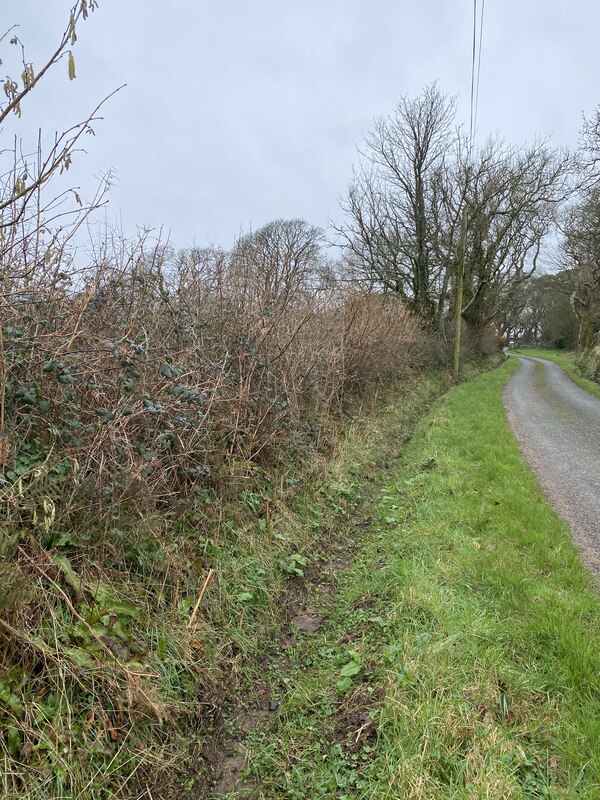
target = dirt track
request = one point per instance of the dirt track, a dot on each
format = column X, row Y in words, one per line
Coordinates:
column 558, row 427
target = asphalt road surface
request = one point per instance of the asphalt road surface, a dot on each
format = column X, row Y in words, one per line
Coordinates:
column 558, row 427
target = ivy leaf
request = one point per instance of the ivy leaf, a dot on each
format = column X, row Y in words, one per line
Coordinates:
column 25, row 395
column 153, row 407
column 52, row 365
column 104, row 414
column 166, row 371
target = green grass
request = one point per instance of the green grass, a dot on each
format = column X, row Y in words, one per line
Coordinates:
column 566, row 360
column 460, row 654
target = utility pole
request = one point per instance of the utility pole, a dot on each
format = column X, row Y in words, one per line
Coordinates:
column 460, row 280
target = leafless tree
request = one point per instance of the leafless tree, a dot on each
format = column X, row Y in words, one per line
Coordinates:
column 391, row 224
column 421, row 197
column 278, row 261
column 511, row 200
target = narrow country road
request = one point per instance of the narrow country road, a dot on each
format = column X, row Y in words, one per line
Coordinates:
column 558, row 427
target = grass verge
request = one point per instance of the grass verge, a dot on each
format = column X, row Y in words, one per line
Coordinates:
column 566, row 360
column 459, row 656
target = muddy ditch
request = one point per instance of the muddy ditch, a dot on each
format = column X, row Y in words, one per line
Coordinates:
column 303, row 605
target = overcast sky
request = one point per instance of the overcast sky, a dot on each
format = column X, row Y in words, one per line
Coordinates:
column 239, row 112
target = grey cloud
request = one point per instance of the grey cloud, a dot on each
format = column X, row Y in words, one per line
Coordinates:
column 236, row 113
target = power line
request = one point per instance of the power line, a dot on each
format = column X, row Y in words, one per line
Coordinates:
column 479, row 63
column 473, row 58
column 475, row 69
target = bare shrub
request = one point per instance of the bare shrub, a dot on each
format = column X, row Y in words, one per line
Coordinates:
column 135, row 383
column 150, row 371
column 379, row 337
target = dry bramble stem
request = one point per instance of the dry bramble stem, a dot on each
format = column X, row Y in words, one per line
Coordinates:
column 200, row 596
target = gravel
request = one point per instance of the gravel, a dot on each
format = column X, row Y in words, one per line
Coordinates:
column 558, row 427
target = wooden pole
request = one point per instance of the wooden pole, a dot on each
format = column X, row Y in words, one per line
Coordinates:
column 460, row 279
